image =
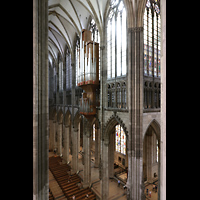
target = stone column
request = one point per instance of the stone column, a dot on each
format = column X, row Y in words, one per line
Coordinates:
column 99, row 145
column 74, row 150
column 135, row 102
column 162, row 171
column 87, row 153
column 54, row 134
column 59, row 141
column 149, row 157
column 66, row 145
column 104, row 173
column 96, row 164
column 79, row 130
column 40, row 101
column 64, row 80
column 51, row 134
column 111, row 155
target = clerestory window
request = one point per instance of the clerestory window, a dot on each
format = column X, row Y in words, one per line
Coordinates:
column 116, row 40
column 152, row 38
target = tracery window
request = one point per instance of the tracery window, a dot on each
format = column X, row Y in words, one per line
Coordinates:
column 68, row 70
column 77, row 57
column 60, row 71
column 118, row 95
column 120, row 140
column 124, row 95
column 152, row 38
column 116, row 40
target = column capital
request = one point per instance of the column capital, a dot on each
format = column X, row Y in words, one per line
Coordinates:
column 88, row 135
column 75, row 129
column 135, row 29
column 106, row 142
column 102, row 47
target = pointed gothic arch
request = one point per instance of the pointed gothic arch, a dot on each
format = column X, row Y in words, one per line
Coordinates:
column 154, row 124
column 76, row 120
column 53, row 113
column 67, row 118
column 60, row 116
column 112, row 121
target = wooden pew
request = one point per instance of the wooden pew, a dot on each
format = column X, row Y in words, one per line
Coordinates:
column 62, row 175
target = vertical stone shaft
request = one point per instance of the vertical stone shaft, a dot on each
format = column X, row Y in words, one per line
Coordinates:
column 87, row 153
column 40, row 100
column 135, row 90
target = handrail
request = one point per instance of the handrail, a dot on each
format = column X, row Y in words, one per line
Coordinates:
column 94, row 183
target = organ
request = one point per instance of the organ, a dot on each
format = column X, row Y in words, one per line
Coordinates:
column 88, row 69
column 88, row 73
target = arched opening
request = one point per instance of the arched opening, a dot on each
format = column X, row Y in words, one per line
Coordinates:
column 151, row 160
column 52, row 119
column 114, row 159
column 120, row 154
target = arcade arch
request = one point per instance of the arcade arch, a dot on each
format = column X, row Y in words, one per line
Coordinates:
column 151, row 157
column 114, row 164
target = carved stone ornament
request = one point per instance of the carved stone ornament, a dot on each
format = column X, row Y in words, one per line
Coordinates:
column 106, row 142
column 135, row 29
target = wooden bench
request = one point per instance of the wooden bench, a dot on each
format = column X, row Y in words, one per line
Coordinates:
column 62, row 174
column 82, row 193
column 69, row 188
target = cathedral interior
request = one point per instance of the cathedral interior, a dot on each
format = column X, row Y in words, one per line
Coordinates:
column 99, row 99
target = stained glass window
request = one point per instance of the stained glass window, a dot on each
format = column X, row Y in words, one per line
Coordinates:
column 120, row 140
column 109, row 49
column 151, row 24
column 69, row 68
column 61, row 76
column 77, row 64
column 93, row 132
column 116, row 40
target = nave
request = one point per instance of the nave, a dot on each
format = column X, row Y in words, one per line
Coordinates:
column 58, row 184
column 70, row 183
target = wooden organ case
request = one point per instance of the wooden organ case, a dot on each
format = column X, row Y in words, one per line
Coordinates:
column 88, row 74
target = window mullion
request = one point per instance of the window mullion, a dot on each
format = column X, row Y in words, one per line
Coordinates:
column 148, row 42
column 152, row 58
column 121, row 41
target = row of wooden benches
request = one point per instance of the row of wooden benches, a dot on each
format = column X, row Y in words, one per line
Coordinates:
column 69, row 182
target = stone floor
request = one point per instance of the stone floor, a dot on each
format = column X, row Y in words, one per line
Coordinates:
column 115, row 192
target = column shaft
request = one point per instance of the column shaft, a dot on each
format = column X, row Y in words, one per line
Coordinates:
column 66, row 145
column 135, row 80
column 105, row 174
column 87, row 162
column 59, row 141
column 75, row 150
column 96, row 148
column 40, row 100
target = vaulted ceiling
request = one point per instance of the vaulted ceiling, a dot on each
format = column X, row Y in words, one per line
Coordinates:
column 66, row 20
